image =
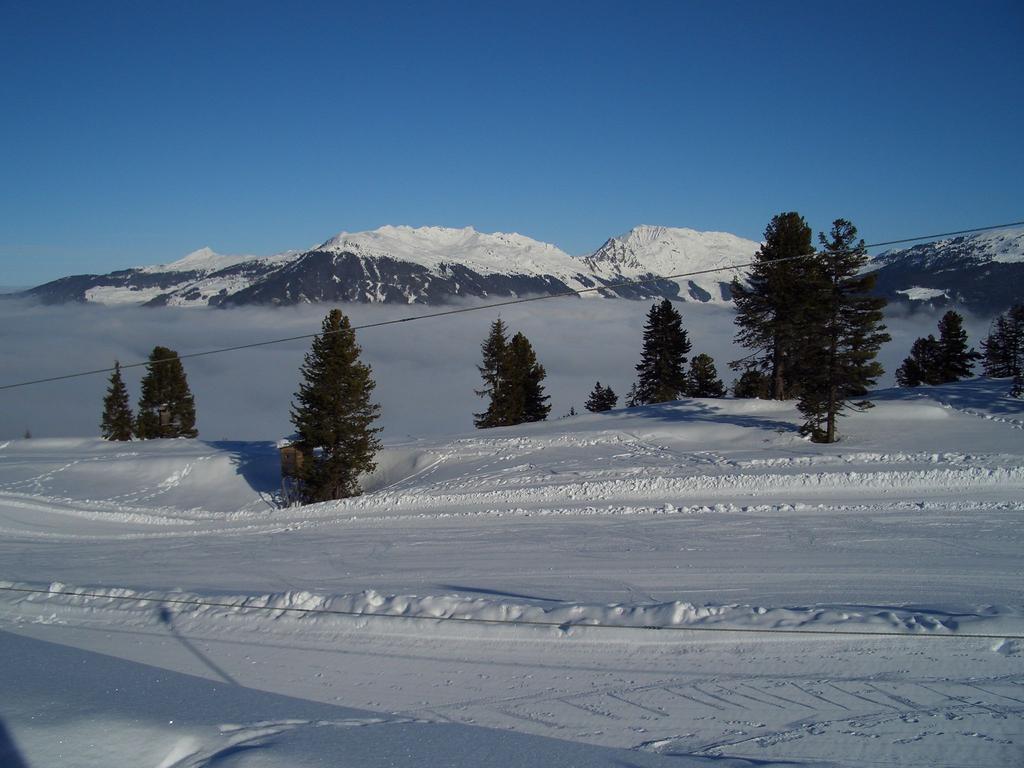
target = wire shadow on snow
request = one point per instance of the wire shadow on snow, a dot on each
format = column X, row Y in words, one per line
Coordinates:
column 10, row 757
column 695, row 410
column 166, row 617
column 499, row 593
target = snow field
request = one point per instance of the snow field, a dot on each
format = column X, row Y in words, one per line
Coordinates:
column 700, row 515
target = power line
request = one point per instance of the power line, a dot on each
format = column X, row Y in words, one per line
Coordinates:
column 519, row 622
column 493, row 305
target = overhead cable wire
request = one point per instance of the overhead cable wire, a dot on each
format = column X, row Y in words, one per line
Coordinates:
column 522, row 622
column 495, row 305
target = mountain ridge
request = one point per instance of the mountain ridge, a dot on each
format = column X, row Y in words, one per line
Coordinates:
column 434, row 265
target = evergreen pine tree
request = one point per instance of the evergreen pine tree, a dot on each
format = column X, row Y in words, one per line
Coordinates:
column 660, row 372
column 1004, row 347
column 632, row 397
column 771, row 307
column 333, row 414
column 955, row 359
column 601, row 399
column 523, row 397
column 920, row 366
column 494, row 349
column 117, row 421
column 840, row 334
column 752, row 383
column 702, row 380
column 166, row 408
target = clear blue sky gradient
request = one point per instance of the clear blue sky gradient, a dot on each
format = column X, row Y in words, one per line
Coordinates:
column 133, row 133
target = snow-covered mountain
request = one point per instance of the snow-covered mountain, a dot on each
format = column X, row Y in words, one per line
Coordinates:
column 425, row 265
column 983, row 272
column 649, row 250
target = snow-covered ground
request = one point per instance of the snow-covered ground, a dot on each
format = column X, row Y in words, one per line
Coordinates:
column 623, row 588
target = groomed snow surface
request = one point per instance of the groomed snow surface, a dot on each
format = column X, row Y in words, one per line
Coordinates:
column 611, row 589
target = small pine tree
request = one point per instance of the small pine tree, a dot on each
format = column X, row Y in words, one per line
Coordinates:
column 954, row 359
column 28, row 434
column 752, row 383
column 166, row 408
column 333, row 415
column 117, row 421
column 660, row 372
column 572, row 412
column 494, row 350
column 1004, row 347
column 632, row 398
column 702, row 380
column 601, row 399
column 919, row 367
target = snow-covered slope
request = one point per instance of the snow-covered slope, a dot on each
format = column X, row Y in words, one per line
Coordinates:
column 981, row 272
column 608, row 580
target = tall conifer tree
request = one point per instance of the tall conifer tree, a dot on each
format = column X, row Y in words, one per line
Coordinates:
column 333, row 414
column 955, row 357
column 494, row 349
column 920, row 366
column 661, row 375
column 523, row 394
column 166, row 408
column 771, row 307
column 117, row 422
column 840, row 334
column 1004, row 346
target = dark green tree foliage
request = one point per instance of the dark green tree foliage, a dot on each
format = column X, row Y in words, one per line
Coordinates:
column 166, row 408
column 702, row 380
column 522, row 393
column 512, row 381
column 1004, row 347
column 333, row 414
column 494, row 349
column 770, row 308
column 631, row 396
column 117, row 422
column 752, row 383
column 660, row 372
column 955, row 358
column 939, row 361
column 920, row 366
column 840, row 333
column 601, row 399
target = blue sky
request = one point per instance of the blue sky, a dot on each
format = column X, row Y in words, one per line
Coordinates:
column 136, row 132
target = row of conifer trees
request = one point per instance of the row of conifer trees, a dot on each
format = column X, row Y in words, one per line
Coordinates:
column 166, row 406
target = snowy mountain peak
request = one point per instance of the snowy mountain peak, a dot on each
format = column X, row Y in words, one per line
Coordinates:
column 651, row 249
column 488, row 253
column 204, row 259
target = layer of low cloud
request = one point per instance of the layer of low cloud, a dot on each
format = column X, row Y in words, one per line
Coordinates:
column 425, row 371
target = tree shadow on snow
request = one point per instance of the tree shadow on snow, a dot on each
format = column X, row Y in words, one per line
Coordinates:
column 258, row 462
column 10, row 757
column 979, row 394
column 683, row 411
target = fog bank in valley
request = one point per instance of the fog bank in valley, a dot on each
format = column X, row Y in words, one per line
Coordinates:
column 425, row 371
